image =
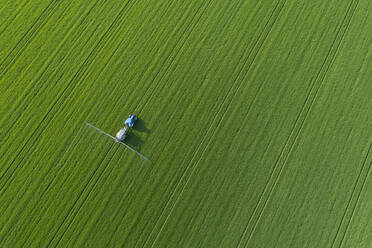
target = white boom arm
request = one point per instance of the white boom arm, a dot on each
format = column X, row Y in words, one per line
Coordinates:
column 112, row 137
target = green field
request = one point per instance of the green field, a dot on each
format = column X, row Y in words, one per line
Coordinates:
column 256, row 116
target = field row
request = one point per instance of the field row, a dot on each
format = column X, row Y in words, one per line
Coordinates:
column 244, row 111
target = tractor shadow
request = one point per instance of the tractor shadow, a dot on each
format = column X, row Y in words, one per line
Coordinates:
column 134, row 137
column 134, row 140
column 140, row 126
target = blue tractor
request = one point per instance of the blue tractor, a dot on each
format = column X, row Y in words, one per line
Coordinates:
column 130, row 121
column 122, row 134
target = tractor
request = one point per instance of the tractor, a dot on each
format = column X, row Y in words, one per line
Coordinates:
column 129, row 123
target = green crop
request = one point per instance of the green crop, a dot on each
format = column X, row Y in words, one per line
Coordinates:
column 256, row 116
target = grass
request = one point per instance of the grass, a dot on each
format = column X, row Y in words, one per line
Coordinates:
column 255, row 115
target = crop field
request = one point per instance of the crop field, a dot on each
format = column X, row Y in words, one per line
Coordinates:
column 256, row 116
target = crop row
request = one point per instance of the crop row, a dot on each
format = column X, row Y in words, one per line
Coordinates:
column 223, row 104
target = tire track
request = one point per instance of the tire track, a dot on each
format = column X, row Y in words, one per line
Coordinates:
column 31, row 91
column 296, row 129
column 166, row 60
column 152, row 49
column 49, row 185
column 32, row 134
column 155, row 160
column 180, row 100
column 139, row 172
column 117, row 18
column 107, row 63
column 114, row 151
column 21, row 45
column 352, row 203
column 137, row 85
column 191, row 26
column 80, row 195
column 6, row 24
column 169, row 138
column 98, row 74
column 256, row 47
column 81, row 73
column 88, row 194
column 174, row 59
column 171, row 121
column 61, row 166
column 30, row 94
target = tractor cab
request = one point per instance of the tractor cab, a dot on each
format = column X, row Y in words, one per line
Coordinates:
column 122, row 134
column 130, row 121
